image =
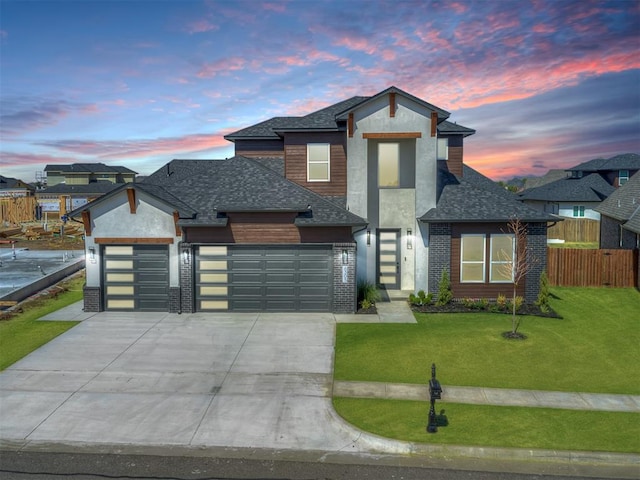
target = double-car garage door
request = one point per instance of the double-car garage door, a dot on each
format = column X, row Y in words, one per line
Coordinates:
column 264, row 278
column 283, row 278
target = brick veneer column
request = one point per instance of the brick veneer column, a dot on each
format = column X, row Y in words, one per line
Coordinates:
column 537, row 254
column 344, row 294
column 186, row 294
column 439, row 253
column 92, row 299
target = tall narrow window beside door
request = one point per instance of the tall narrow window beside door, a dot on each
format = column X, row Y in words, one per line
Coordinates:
column 388, row 165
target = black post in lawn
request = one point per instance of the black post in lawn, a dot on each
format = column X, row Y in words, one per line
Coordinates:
column 435, row 392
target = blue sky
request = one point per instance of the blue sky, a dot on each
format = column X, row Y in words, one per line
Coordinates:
column 546, row 84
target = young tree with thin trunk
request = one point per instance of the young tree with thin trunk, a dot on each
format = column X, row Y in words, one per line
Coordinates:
column 516, row 265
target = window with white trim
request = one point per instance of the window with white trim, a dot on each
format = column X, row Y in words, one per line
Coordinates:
column 443, row 148
column 318, row 162
column 472, row 258
column 578, row 210
column 502, row 258
column 623, row 177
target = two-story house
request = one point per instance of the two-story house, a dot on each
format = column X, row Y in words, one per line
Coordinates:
column 69, row 186
column 370, row 188
column 584, row 187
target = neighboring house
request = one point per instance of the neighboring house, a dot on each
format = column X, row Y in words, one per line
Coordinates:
column 86, row 173
column 585, row 186
column 368, row 189
column 620, row 216
column 71, row 186
column 13, row 187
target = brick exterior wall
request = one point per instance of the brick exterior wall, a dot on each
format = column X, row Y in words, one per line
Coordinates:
column 185, row 293
column 439, row 253
column 537, row 254
column 92, row 299
column 174, row 300
column 344, row 294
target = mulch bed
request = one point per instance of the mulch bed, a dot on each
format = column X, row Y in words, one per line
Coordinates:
column 457, row 307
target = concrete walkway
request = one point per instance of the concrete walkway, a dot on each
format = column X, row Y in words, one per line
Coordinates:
column 492, row 396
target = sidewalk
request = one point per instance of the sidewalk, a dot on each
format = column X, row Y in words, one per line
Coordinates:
column 491, row 396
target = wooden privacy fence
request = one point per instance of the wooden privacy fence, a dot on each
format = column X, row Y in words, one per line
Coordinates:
column 16, row 210
column 592, row 268
column 576, row 230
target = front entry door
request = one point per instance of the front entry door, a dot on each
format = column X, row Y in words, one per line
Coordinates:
column 389, row 259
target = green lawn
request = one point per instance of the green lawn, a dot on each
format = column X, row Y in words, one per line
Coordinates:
column 580, row 245
column 594, row 348
column 491, row 426
column 23, row 333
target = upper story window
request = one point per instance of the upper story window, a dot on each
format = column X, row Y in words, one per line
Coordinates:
column 388, row 165
column 318, row 162
column 623, row 177
column 443, row 148
column 578, row 210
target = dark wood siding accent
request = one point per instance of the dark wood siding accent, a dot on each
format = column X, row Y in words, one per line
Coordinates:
column 267, row 228
column 391, row 135
column 434, row 123
column 296, row 161
column 454, row 161
column 86, row 221
column 259, row 148
column 392, row 104
column 478, row 290
column 131, row 197
column 350, row 125
column 326, row 235
column 176, row 218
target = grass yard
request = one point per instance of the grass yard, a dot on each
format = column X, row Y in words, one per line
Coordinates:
column 491, row 426
column 23, row 333
column 594, row 348
column 580, row 245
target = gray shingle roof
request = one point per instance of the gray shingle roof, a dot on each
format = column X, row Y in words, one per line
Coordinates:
column 87, row 168
column 212, row 188
column 590, row 188
column 10, row 183
column 474, row 198
column 448, row 127
column 330, row 118
column 94, row 188
column 625, row 161
column 624, row 202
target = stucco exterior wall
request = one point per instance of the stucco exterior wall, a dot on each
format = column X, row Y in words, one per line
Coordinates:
column 374, row 117
column 112, row 219
column 566, row 209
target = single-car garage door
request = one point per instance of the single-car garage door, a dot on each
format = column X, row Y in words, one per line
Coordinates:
column 136, row 277
column 283, row 278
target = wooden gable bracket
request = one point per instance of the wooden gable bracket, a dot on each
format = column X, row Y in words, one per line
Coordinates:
column 392, row 104
column 434, row 123
column 350, row 125
column 86, row 220
column 131, row 195
column 176, row 217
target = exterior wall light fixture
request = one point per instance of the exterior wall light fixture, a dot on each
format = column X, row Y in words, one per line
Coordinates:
column 345, row 257
column 92, row 254
column 186, row 257
column 368, row 236
column 409, row 238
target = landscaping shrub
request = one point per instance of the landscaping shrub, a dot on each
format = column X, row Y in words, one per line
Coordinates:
column 445, row 295
column 543, row 296
column 421, row 299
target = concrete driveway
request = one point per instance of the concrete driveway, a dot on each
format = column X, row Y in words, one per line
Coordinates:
column 233, row 380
